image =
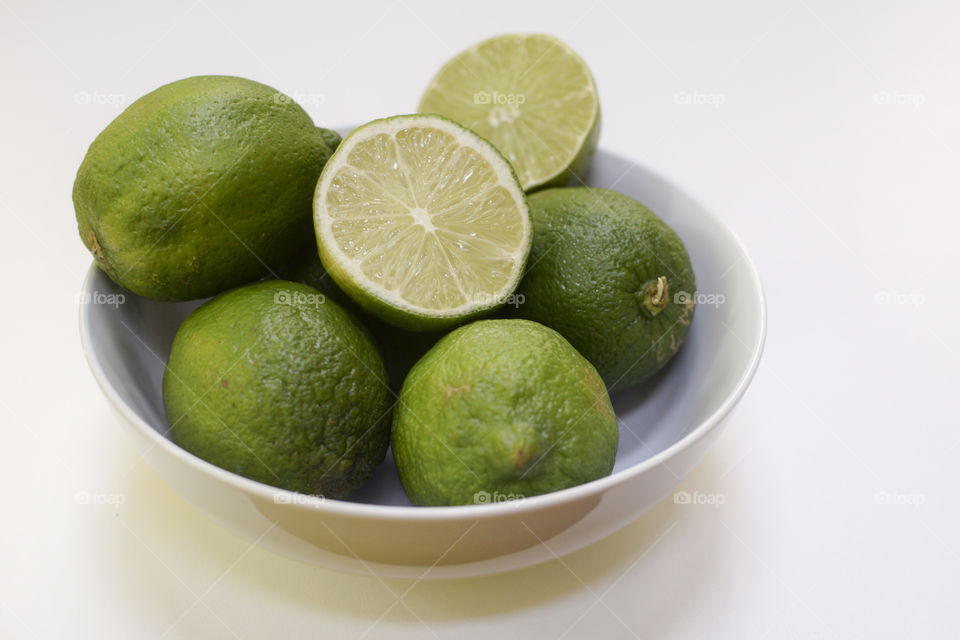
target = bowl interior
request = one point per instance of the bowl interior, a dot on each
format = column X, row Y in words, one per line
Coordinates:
column 130, row 337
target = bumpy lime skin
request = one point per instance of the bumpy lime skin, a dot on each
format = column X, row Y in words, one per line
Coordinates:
column 595, row 254
column 500, row 409
column 200, row 185
column 400, row 348
column 270, row 383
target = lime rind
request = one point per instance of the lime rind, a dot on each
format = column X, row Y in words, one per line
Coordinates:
column 422, row 222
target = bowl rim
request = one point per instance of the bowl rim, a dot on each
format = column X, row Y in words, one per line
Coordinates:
column 441, row 513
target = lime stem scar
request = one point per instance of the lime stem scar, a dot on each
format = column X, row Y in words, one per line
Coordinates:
column 654, row 296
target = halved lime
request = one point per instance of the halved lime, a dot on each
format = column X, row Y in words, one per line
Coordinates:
column 532, row 96
column 421, row 221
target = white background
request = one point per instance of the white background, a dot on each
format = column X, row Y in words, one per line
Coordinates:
column 825, row 133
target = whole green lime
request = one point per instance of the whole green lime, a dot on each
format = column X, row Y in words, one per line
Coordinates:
column 501, row 409
column 200, row 185
column 279, row 384
column 611, row 277
column 400, row 348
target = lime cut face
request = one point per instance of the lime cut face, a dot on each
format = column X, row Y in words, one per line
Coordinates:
column 421, row 222
column 532, row 96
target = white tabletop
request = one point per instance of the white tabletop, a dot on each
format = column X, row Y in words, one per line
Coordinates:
column 825, row 133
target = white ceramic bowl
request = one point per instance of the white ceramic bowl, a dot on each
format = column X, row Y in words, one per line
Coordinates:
column 665, row 427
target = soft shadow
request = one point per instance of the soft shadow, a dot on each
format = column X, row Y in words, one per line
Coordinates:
column 625, row 401
column 209, row 550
